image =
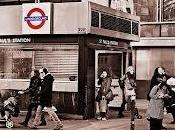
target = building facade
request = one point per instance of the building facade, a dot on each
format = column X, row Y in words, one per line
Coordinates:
column 157, row 41
column 74, row 40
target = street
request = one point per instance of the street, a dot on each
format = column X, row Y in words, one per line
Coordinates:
column 113, row 123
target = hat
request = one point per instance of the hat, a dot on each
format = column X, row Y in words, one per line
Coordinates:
column 171, row 81
column 130, row 68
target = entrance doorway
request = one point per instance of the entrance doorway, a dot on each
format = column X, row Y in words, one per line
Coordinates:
column 113, row 62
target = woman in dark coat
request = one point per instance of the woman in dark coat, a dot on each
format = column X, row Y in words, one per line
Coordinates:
column 102, row 99
column 33, row 90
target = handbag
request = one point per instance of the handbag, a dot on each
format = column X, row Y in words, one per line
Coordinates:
column 110, row 96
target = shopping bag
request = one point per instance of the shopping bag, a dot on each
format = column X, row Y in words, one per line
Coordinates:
column 103, row 105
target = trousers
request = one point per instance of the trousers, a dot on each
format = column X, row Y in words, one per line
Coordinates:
column 51, row 113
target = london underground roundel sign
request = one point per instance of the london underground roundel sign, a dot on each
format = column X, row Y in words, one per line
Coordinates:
column 30, row 19
column 36, row 18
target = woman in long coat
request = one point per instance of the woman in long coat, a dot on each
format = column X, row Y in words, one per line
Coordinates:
column 105, row 82
column 156, row 106
column 128, row 87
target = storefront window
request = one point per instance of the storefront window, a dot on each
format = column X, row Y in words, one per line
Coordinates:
column 60, row 60
column 15, row 63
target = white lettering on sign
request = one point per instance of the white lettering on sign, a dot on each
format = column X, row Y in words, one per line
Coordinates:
column 15, row 40
column 18, row 40
column 108, row 42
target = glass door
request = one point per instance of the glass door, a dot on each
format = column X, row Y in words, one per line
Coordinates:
column 113, row 62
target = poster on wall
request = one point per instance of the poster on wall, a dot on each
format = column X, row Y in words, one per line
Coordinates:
column 36, row 18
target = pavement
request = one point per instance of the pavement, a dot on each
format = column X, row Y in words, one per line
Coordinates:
column 113, row 123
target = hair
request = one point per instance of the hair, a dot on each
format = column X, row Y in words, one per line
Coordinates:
column 36, row 72
column 154, row 80
column 162, row 84
column 156, row 74
column 45, row 70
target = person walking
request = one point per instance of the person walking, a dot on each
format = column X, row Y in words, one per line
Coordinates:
column 33, row 90
column 156, row 105
column 128, row 86
column 104, row 94
column 45, row 97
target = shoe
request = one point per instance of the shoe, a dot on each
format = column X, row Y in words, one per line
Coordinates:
column 103, row 119
column 23, row 123
column 98, row 118
column 42, row 124
column 59, row 126
column 163, row 128
column 173, row 122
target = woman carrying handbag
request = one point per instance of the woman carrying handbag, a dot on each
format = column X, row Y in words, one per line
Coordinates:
column 104, row 94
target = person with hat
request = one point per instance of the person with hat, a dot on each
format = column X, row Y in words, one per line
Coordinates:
column 128, row 85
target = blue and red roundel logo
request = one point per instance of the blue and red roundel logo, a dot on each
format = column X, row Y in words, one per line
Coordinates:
column 36, row 22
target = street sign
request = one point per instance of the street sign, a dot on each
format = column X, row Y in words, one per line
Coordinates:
column 36, row 18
